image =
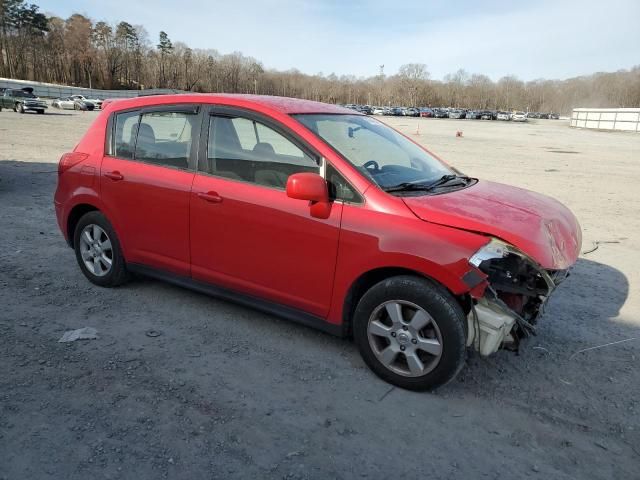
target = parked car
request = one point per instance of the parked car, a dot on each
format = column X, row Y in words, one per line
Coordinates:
column 486, row 115
column 533, row 115
column 72, row 103
column 285, row 207
column 554, row 116
column 519, row 117
column 96, row 102
column 440, row 113
column 378, row 111
column 457, row 113
column 397, row 112
column 22, row 100
column 412, row 112
column 473, row 115
column 64, row 103
column 504, row 116
column 426, row 112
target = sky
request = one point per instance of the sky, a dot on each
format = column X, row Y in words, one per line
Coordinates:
column 554, row 39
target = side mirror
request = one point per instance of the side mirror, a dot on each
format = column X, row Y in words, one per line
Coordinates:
column 307, row 186
column 311, row 187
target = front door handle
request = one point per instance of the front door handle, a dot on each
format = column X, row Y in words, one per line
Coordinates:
column 115, row 176
column 211, row 197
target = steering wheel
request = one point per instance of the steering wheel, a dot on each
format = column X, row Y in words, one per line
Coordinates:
column 371, row 165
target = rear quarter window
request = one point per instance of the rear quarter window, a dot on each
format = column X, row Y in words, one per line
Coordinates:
column 126, row 129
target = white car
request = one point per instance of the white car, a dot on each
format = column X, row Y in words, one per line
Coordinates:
column 66, row 103
column 503, row 116
column 378, row 111
column 97, row 103
column 519, row 117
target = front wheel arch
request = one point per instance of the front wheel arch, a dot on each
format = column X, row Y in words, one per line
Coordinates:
column 372, row 277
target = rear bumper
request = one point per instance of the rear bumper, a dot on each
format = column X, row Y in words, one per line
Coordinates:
column 60, row 219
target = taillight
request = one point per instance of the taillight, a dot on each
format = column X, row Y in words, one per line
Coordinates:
column 68, row 160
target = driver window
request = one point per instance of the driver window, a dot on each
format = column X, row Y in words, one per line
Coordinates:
column 244, row 149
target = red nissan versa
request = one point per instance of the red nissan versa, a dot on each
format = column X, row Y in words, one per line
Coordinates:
column 318, row 214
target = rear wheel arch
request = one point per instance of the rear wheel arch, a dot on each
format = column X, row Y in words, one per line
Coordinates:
column 76, row 213
column 372, row 277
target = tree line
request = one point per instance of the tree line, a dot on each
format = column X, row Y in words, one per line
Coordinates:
column 78, row 51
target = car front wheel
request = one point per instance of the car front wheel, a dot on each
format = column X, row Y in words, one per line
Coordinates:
column 98, row 251
column 411, row 332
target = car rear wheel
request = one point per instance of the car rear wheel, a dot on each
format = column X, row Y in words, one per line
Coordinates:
column 98, row 251
column 411, row 332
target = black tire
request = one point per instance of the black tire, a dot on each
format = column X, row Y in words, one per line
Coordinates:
column 117, row 275
column 445, row 311
column 21, row 108
column 41, row 112
column 15, row 107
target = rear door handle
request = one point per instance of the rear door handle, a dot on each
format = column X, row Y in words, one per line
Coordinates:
column 211, row 197
column 115, row 176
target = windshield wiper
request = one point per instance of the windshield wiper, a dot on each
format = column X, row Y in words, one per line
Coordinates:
column 412, row 186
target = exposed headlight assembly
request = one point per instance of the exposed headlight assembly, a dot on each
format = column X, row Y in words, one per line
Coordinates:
column 497, row 249
column 494, row 249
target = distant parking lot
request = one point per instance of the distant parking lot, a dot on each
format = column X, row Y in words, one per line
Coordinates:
column 180, row 385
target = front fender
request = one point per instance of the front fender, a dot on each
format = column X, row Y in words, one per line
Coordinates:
column 372, row 240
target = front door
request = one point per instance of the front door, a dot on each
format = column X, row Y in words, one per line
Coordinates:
column 246, row 234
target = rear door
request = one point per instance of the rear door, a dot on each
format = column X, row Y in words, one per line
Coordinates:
column 246, row 234
column 145, row 182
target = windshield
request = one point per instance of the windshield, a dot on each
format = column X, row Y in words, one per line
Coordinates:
column 378, row 151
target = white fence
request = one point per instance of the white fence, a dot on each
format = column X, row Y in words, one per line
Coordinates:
column 50, row 90
column 621, row 119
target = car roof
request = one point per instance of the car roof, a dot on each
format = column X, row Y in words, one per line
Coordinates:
column 284, row 105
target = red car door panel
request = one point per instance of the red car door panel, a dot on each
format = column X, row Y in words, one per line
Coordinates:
column 258, row 240
column 151, row 204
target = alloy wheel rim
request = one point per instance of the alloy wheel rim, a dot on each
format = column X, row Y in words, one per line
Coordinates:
column 405, row 338
column 96, row 250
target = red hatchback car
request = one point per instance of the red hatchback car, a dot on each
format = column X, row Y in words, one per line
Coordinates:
column 318, row 214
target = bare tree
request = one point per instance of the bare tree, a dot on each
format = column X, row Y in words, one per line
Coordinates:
column 80, row 52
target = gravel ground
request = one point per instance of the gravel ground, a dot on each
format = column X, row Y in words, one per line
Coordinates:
column 227, row 392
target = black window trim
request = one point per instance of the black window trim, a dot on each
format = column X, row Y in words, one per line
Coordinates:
column 188, row 108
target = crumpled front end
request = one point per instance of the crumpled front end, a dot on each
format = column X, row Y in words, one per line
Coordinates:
column 516, row 289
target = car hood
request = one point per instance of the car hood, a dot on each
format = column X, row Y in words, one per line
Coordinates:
column 538, row 225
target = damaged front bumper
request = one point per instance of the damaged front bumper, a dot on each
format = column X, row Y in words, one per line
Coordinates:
column 514, row 293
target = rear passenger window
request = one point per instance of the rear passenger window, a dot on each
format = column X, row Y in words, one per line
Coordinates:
column 125, row 134
column 164, row 138
column 243, row 149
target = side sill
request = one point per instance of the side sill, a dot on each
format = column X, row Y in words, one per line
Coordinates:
column 266, row 306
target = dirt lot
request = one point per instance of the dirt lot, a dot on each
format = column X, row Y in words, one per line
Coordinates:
column 226, row 392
